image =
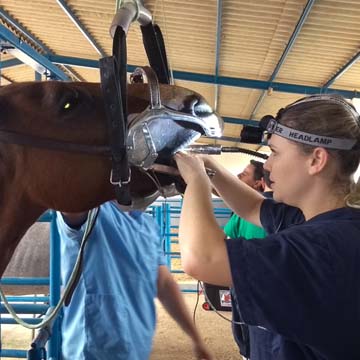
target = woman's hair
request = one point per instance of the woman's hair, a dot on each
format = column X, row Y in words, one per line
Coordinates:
column 333, row 116
column 266, row 176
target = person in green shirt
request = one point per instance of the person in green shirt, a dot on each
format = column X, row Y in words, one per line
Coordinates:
column 236, row 227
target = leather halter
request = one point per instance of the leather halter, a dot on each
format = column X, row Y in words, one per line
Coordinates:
column 113, row 70
column 12, row 137
column 114, row 86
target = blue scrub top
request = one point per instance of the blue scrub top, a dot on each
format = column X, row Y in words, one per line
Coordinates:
column 300, row 286
column 112, row 312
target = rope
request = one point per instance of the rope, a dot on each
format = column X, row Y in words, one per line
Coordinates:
column 52, row 315
column 166, row 36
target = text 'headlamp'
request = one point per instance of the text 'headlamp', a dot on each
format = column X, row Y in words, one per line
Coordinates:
column 269, row 125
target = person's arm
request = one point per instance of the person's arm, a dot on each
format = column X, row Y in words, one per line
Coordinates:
column 202, row 241
column 171, row 298
column 241, row 198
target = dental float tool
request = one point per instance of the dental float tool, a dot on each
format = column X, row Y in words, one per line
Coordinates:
column 219, row 149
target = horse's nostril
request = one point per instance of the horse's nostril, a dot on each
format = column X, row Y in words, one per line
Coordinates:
column 192, row 104
column 197, row 106
column 201, row 108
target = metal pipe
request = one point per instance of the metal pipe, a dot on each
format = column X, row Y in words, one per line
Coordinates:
column 55, row 284
column 343, row 70
column 217, row 52
column 285, row 53
column 204, row 149
column 21, row 354
column 129, row 12
column 64, row 6
column 9, row 321
column 26, row 308
column 24, row 281
column 210, row 79
column 28, row 53
column 10, row 20
column 219, row 149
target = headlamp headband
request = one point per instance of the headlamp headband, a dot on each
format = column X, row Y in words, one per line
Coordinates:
column 272, row 126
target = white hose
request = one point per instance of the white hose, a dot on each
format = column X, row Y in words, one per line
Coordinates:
column 89, row 224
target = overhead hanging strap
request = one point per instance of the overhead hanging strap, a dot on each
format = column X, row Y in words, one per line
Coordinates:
column 155, row 49
column 152, row 37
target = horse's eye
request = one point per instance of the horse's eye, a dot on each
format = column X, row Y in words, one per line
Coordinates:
column 69, row 104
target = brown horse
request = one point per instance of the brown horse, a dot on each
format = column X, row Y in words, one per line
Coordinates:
column 33, row 180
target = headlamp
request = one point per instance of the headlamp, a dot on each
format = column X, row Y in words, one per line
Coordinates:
column 269, row 125
column 272, row 126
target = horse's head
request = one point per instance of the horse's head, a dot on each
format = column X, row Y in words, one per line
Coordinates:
column 74, row 113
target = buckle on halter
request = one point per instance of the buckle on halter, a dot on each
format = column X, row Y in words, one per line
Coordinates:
column 121, row 182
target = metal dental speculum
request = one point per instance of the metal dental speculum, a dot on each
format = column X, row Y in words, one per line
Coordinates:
column 159, row 132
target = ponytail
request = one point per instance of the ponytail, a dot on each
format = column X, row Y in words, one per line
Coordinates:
column 353, row 198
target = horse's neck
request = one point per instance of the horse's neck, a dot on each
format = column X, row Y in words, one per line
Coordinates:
column 17, row 214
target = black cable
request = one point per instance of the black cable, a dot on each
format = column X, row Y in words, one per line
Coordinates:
column 197, row 301
column 234, row 149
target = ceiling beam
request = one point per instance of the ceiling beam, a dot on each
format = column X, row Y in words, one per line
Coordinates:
column 18, row 27
column 6, row 78
column 286, row 52
column 208, row 79
column 237, row 121
column 221, row 80
column 40, row 45
column 343, row 70
column 73, row 61
column 261, row 85
column 27, row 54
column 10, row 63
column 81, row 27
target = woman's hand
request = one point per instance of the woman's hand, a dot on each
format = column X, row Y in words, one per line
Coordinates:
column 201, row 351
column 191, row 167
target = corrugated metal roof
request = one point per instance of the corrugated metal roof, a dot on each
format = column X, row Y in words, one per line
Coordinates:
column 252, row 38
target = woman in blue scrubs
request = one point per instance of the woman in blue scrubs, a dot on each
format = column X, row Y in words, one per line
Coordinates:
column 299, row 290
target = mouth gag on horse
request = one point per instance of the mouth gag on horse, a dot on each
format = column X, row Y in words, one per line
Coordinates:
column 145, row 140
column 159, row 132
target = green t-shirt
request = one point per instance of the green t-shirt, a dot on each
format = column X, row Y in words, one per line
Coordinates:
column 237, row 227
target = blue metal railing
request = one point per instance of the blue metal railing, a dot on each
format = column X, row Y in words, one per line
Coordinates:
column 41, row 304
column 168, row 215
